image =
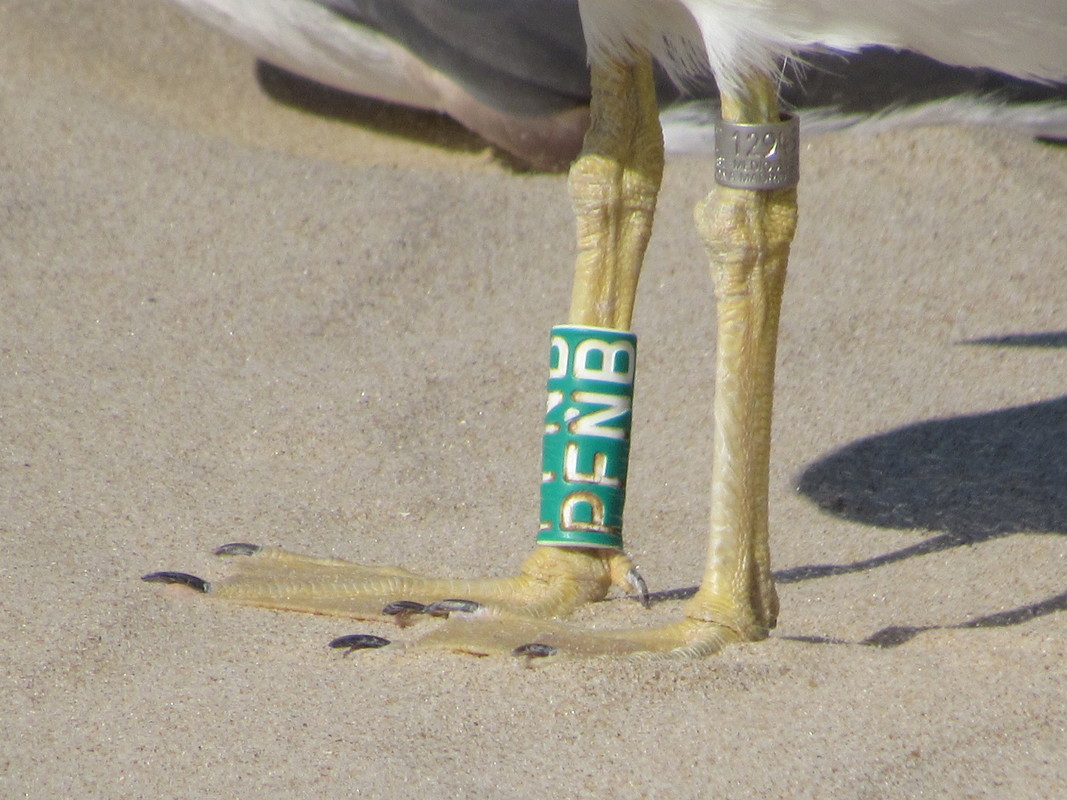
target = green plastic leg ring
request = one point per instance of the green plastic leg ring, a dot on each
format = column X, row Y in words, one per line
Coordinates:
column 587, row 437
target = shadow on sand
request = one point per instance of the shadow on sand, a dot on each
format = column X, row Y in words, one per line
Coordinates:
column 971, row 478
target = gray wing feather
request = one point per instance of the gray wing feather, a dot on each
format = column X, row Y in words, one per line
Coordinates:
column 521, row 56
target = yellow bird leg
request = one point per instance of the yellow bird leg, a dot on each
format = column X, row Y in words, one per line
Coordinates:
column 747, row 234
column 614, row 184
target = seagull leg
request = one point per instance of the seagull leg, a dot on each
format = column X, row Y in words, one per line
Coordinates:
column 747, row 234
column 614, row 185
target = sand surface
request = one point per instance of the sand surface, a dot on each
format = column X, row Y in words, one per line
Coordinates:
column 229, row 319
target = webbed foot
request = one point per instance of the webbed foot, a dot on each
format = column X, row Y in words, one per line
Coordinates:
column 552, row 582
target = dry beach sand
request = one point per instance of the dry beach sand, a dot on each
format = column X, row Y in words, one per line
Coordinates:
column 229, row 319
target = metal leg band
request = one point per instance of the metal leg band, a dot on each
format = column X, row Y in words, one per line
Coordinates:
column 758, row 156
column 587, row 437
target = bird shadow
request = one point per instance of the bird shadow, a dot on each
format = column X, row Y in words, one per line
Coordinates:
column 970, row 478
column 974, row 478
column 390, row 119
column 895, row 635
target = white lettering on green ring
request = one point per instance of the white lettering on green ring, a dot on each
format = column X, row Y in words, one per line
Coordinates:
column 586, row 447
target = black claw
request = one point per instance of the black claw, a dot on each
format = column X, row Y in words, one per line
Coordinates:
column 534, row 650
column 442, row 608
column 359, row 641
column 184, row 578
column 638, row 583
column 403, row 608
column 238, row 549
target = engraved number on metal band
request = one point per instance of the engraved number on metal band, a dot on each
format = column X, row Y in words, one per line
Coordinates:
column 758, row 156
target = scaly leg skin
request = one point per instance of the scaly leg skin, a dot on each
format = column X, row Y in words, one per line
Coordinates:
column 614, row 184
column 748, row 234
